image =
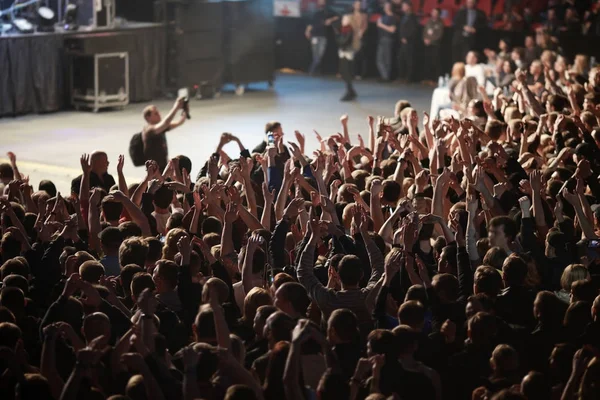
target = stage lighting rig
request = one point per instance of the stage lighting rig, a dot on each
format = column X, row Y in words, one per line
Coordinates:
column 22, row 25
column 45, row 19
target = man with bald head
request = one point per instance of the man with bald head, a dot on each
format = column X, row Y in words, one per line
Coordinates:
column 99, row 176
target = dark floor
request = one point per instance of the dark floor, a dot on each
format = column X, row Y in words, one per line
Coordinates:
column 49, row 146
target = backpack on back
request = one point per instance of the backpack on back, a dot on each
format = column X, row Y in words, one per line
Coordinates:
column 136, row 150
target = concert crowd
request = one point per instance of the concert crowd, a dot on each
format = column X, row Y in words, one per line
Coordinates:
column 427, row 258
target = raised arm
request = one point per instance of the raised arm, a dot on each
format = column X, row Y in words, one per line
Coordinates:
column 122, row 182
column 268, row 195
column 48, row 361
column 13, row 164
column 94, row 219
column 221, row 328
column 136, row 214
column 254, row 242
column 165, row 123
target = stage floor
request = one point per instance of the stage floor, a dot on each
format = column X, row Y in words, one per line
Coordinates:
column 48, row 146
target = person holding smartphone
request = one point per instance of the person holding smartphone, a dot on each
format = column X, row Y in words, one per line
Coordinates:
column 154, row 133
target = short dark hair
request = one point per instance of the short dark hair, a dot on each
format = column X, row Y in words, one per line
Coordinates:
column 495, row 257
column 281, row 326
column 296, row 294
column 127, row 274
column 141, row 281
column 391, row 191
column 14, row 266
column 47, row 186
column 91, row 271
column 163, row 197
column 508, row 225
column 168, row 270
column 350, row 270
column 184, row 162
column 154, row 249
column 514, row 270
column 411, row 313
column 271, row 126
column 495, row 129
column 557, row 102
column 211, row 225
column 344, row 323
column 584, row 290
column 130, row 229
column 6, row 171
column 482, row 327
column 382, row 341
column 133, row 251
column 10, row 334
column 13, row 298
column 406, row 338
column 112, row 209
column 447, row 284
column 487, row 280
column 111, row 237
column 18, row 281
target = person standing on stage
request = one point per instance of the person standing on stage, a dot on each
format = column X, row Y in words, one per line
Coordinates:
column 468, row 22
column 432, row 37
column 359, row 28
column 346, row 49
column 408, row 33
column 316, row 32
column 154, row 133
column 387, row 30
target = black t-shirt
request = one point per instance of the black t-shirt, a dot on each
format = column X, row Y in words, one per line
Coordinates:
column 318, row 21
column 388, row 20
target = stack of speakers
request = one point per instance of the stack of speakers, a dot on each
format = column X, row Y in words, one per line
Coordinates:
column 210, row 43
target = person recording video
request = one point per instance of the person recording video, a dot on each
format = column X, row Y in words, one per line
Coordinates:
column 154, row 133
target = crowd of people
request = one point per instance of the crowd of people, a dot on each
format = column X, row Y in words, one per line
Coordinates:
column 410, row 33
column 437, row 258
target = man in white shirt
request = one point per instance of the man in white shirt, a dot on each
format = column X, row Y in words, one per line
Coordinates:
column 474, row 68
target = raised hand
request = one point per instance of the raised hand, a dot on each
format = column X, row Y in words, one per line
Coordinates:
column 525, row 186
column 361, row 142
column 344, row 119
column 525, row 204
column 327, row 205
column 184, row 246
column 120, row 163
column 572, row 198
column 254, row 242
column 268, row 195
column 154, row 185
column 86, row 166
column 294, row 208
column 231, row 213
column 301, row 139
column 95, row 197
column 376, row 187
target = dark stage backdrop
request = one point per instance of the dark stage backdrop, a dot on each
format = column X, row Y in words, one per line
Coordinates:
column 34, row 68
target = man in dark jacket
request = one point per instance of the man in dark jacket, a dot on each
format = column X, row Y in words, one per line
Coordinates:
column 408, row 33
column 99, row 177
column 468, row 24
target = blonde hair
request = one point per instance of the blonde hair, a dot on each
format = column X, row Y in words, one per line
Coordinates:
column 573, row 272
column 170, row 248
column 458, row 70
column 255, row 298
